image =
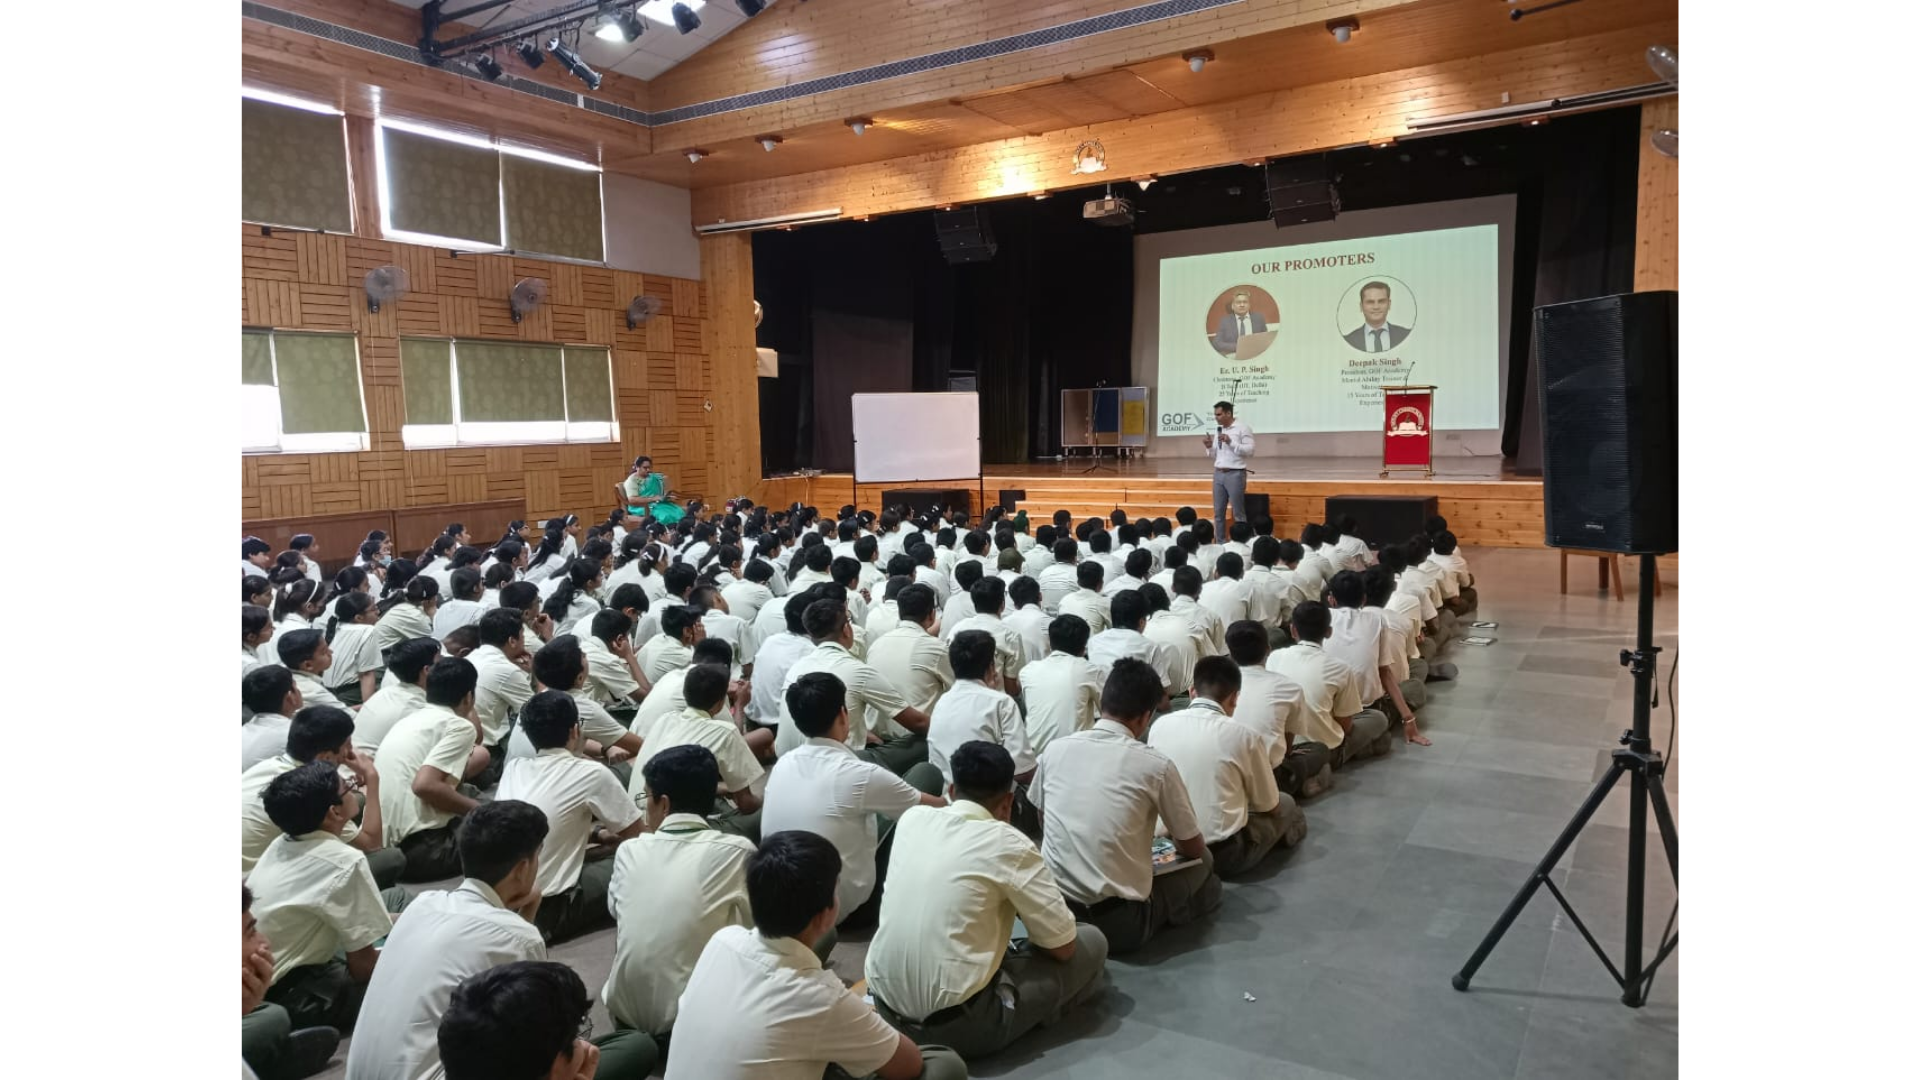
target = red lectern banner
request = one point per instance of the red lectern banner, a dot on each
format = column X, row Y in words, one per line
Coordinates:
column 1408, row 440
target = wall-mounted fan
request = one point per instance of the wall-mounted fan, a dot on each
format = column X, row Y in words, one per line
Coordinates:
column 642, row 309
column 527, row 294
column 384, row 285
column 1665, row 63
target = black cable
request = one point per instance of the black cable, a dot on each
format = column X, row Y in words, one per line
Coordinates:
column 1673, row 706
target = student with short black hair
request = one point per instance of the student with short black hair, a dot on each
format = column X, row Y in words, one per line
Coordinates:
column 1228, row 595
column 1063, row 688
column 256, row 629
column 1134, row 572
column 1086, row 601
column 501, row 665
column 776, row 654
column 1314, row 569
column 528, row 1020
column 1335, row 716
column 1009, row 649
column 959, row 602
column 402, row 690
column 1270, row 704
column 681, row 629
column 318, row 733
column 585, row 805
column 976, row 708
column 871, row 696
column 1227, row 772
column 1029, row 617
column 424, row 759
column 614, row 679
column 306, row 654
column 1399, row 649
column 256, row 557
column 699, row 723
column 1446, row 555
column 759, row 1003
column 1363, row 639
column 316, row 900
column 268, row 691
column 562, row 666
column 911, row 656
column 716, row 621
column 1100, row 792
column 461, row 606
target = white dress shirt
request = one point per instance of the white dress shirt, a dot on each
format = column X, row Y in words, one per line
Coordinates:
column 314, row 896
column 1100, row 792
column 1062, row 693
column 916, row 663
column 574, row 793
column 1224, row 766
column 1328, row 689
column 972, row 711
column 1359, row 640
column 1232, row 447
column 1097, row 610
column 503, row 690
column 1230, row 599
column 263, row 736
column 739, row 769
column 820, row 786
column 1009, row 648
column 389, row 705
column 1031, row 624
column 1273, row 706
column 672, row 890
column 1056, row 581
column 430, row 735
column 871, row 696
column 958, row 608
column 1182, row 643
column 775, row 657
column 1211, row 630
column 1109, row 647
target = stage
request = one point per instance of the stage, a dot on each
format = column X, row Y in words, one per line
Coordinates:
column 1485, row 505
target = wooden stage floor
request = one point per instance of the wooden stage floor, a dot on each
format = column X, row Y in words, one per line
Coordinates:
column 1484, row 505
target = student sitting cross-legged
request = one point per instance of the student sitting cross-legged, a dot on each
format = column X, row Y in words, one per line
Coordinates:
column 307, row 654
column 1335, row 715
column 424, row 758
column 562, row 665
column 940, row 968
column 584, row 803
column 402, row 690
column 530, row 1020
column 759, row 1004
column 319, row 733
column 701, row 723
column 1100, row 792
column 447, row 935
column 1227, row 772
column 872, row 698
column 269, row 1046
column 1062, row 689
column 316, row 901
column 268, row 692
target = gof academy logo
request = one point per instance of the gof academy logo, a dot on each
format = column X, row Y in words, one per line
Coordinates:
column 1407, row 420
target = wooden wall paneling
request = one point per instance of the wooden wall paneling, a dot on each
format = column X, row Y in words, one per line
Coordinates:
column 379, row 361
column 568, row 324
column 419, row 316
column 535, row 325
column 597, row 325
column 596, row 288
column 326, row 307
column 422, row 266
column 338, row 535
column 455, row 275
column 384, row 323
column 413, row 529
column 268, row 253
column 1656, row 257
column 363, row 174
column 322, row 258
column 270, row 303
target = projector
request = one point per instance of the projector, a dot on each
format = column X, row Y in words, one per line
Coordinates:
column 1108, row 211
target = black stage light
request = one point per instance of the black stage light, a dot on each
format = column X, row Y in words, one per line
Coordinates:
column 486, row 65
column 750, row 8
column 631, row 25
column 530, row 54
column 575, row 66
column 685, row 19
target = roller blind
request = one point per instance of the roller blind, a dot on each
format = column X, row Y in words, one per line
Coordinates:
column 426, row 378
column 589, row 385
column 319, row 376
column 293, row 167
column 442, row 188
column 256, row 359
column 552, row 209
column 509, row 381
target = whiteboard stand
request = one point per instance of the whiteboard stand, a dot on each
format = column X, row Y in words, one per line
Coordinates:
column 907, row 438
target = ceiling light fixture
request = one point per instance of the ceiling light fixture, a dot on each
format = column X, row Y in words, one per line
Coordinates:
column 1146, row 182
column 575, row 66
column 1666, row 141
column 1197, row 59
column 768, row 142
column 1041, row 194
column 685, row 19
column 1342, row 29
column 694, row 156
column 530, row 54
column 1665, row 63
column 486, row 65
column 750, row 8
column 860, row 124
column 627, row 26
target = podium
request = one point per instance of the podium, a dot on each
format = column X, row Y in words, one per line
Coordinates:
column 1406, row 440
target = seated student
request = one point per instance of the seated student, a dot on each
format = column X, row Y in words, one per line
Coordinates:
column 268, row 1044
column 680, row 630
column 959, row 605
column 424, row 759
column 1061, row 576
column 822, row 787
column 759, row 1004
column 529, row 1020
column 673, row 888
column 355, row 666
column 700, row 723
column 926, row 569
column 1362, row 639
column 1240, row 539
column 989, row 597
column 572, row 599
column 1423, row 576
column 1029, row 618
column 584, row 804
column 976, row 710
column 745, row 598
column 1228, row 595
column 910, row 656
column 1171, row 561
column 885, row 615
column 1063, row 688
column 307, row 655
column 402, row 690
column 1359, row 556
column 297, row 604
column 940, row 968
column 268, row 691
column 501, row 664
column 1313, row 569
column 1271, row 705
column 816, row 562
column 536, row 626
column 1039, row 555
column 319, row 733
column 448, row 935
column 866, row 552
column 1399, row 649
column 562, row 666
column 716, row 621
column 1336, row 547
column 256, row 628
column 669, row 696
column 408, row 612
column 1446, row 556
column 1136, row 570
column 462, row 606
column 1177, row 636
column 871, row 697
column 314, row 897
column 1100, row 550
column 613, row 668
column 1206, row 551
column 1335, row 717
column 776, row 655
column 1268, row 599
column 256, row 557
column 1100, row 792
column 1226, row 769
column 1124, row 640
column 1210, row 629
column 844, row 571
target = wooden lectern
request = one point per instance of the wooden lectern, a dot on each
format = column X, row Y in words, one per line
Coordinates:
column 1406, row 441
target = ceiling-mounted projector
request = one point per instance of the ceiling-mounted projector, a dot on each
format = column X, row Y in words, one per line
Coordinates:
column 1110, row 210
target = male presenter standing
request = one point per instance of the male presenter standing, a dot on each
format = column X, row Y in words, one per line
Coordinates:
column 1230, row 449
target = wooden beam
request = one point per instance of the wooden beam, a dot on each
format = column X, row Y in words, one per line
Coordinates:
column 1656, row 256
column 726, row 262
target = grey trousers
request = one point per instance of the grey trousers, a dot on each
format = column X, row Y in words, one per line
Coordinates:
column 1229, row 486
column 897, row 754
column 936, row 1063
column 1244, row 850
column 1368, row 726
column 1031, row 989
column 1177, row 899
column 579, row 910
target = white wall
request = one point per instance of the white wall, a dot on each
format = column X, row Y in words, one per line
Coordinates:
column 650, row 227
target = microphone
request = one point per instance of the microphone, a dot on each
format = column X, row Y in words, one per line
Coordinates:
column 1407, row 380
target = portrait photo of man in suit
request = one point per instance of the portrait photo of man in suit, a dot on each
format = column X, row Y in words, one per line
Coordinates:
column 1376, row 334
column 1239, row 323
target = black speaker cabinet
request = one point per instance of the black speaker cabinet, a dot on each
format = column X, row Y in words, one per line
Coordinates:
column 1300, row 190
column 1010, row 498
column 965, row 235
column 920, row 500
column 1610, row 422
column 1258, row 505
column 1383, row 519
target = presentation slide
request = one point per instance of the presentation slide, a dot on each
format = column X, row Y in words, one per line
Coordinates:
column 1301, row 337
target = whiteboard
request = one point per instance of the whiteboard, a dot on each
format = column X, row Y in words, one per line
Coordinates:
column 911, row 438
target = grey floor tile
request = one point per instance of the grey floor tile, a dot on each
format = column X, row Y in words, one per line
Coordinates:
column 1483, row 830
column 1374, row 1027
column 1589, row 666
column 1558, row 705
column 1529, row 758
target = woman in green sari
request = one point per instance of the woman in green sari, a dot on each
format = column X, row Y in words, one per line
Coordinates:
column 647, row 493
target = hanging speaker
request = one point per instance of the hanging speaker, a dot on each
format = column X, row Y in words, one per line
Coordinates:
column 1300, row 190
column 965, row 235
column 1610, row 422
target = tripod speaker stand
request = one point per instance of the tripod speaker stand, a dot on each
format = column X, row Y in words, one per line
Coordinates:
column 1647, row 770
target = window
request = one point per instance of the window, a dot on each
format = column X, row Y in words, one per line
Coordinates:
column 300, row 393
column 448, row 189
column 293, row 164
column 491, row 393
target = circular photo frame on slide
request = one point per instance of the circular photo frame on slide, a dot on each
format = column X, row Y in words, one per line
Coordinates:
column 1223, row 324
column 1380, row 297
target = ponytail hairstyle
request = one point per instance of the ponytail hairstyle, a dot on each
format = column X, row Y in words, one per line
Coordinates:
column 513, row 533
column 580, row 572
column 465, row 584
column 717, row 561
column 349, row 607
column 421, row 590
column 400, row 576
column 466, row 556
column 348, row 580
column 506, row 552
column 253, row 585
column 650, row 559
column 370, row 552
column 293, row 598
column 633, row 546
column 498, row 576
column 550, row 544
column 440, row 546
column 285, row 575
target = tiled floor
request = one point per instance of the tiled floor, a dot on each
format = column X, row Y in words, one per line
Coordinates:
column 1347, row 943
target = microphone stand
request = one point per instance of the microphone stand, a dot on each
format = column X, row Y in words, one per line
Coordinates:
column 1093, row 437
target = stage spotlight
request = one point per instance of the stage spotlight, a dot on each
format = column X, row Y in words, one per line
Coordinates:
column 750, row 8
column 1342, row 29
column 530, row 54
column 486, row 65
column 694, row 156
column 626, row 27
column 685, row 19
column 1197, row 59
column 575, row 66
column 860, row 124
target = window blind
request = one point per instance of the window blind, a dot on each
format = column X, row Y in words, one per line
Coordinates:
column 319, row 378
column 256, row 359
column 442, row 188
column 293, row 167
column 509, row 381
column 426, row 379
column 589, row 385
column 552, row 209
